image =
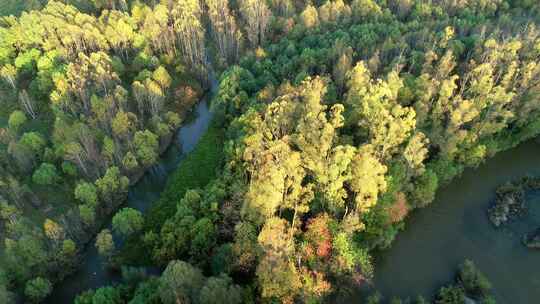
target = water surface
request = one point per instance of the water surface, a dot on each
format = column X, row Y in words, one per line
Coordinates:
column 455, row 227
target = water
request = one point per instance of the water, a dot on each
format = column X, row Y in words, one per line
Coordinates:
column 91, row 274
column 436, row 239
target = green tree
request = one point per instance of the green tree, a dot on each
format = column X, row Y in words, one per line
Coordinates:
column 86, row 193
column 473, row 281
column 425, row 187
column 107, row 295
column 46, row 174
column 450, row 295
column 37, row 289
column 112, row 184
column 220, row 289
column 16, row 120
column 87, row 214
column 180, row 283
column 147, row 145
column 127, row 221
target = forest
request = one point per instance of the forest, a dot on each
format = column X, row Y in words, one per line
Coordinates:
column 333, row 120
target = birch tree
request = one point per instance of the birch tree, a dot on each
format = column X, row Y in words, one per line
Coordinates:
column 257, row 16
column 225, row 33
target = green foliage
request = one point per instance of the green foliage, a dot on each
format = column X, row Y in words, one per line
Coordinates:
column 16, row 120
column 107, row 295
column 180, row 283
column 86, row 193
column 473, row 281
column 450, row 295
column 46, row 174
column 147, row 147
column 34, row 141
column 424, row 188
column 127, row 221
column 147, row 293
column 112, row 184
column 220, row 289
column 37, row 289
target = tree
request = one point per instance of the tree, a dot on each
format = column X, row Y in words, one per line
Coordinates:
column 367, row 179
column 86, row 193
column 365, row 9
column 107, row 295
column 105, row 244
column 46, row 174
column 415, row 153
column 87, row 214
column 130, row 161
column 53, row 231
column 220, row 289
column 450, row 295
column 376, row 111
column 122, row 125
column 276, row 272
column 33, row 141
column 37, row 289
column 147, row 145
column 162, row 77
column 257, row 17
column 310, row 17
column 425, row 187
column 180, row 283
column 112, row 184
column 16, row 120
column 473, row 280
column 28, row 251
column 127, row 221
column 190, row 34
column 9, row 73
column 246, row 249
column 227, row 36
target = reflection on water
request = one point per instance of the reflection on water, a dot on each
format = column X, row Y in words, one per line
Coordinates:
column 455, row 227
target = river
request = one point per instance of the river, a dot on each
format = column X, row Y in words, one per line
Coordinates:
column 454, row 227
column 91, row 274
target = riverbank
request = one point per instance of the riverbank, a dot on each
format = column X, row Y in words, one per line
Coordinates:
column 197, row 169
column 91, row 273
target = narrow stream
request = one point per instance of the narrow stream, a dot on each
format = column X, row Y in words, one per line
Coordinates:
column 91, row 274
column 455, row 227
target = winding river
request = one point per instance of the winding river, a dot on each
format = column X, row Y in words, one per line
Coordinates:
column 91, row 274
column 436, row 239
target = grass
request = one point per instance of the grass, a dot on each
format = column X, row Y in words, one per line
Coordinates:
column 195, row 171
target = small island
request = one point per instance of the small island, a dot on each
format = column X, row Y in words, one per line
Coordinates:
column 510, row 204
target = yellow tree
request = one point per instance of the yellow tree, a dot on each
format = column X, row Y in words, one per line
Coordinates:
column 367, row 178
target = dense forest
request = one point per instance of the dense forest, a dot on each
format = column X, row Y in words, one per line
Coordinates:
column 333, row 120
